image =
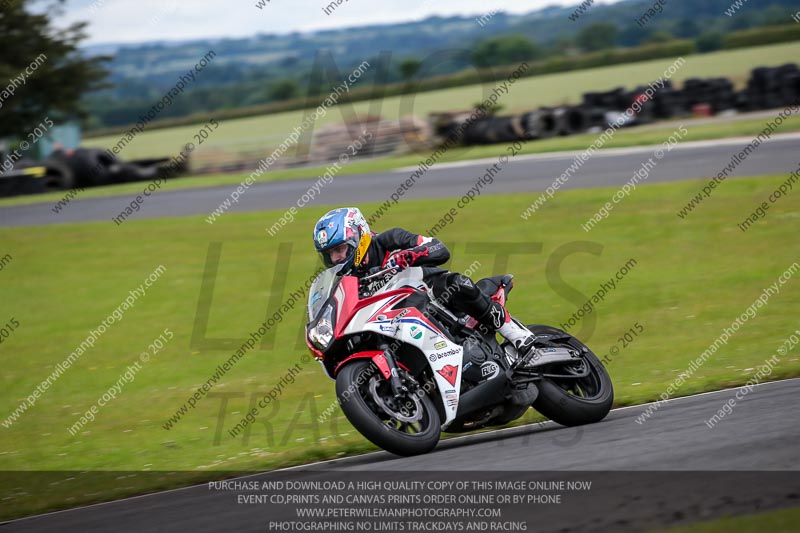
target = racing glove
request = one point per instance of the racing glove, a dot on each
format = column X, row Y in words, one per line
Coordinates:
column 403, row 259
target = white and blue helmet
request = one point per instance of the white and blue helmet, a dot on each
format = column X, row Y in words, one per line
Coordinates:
column 343, row 225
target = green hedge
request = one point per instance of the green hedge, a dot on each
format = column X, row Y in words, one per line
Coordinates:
column 763, row 35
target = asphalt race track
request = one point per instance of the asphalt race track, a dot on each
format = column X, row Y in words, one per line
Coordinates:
column 536, row 172
column 669, row 470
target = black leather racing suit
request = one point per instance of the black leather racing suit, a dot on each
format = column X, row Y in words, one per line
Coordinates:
column 451, row 288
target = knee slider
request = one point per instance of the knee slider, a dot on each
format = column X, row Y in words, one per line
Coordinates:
column 454, row 286
column 464, row 286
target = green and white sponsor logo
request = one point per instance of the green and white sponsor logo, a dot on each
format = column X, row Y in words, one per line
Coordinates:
column 416, row 333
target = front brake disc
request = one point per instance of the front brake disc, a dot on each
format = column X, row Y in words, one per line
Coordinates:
column 401, row 416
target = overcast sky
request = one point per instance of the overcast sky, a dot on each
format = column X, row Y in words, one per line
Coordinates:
column 129, row 21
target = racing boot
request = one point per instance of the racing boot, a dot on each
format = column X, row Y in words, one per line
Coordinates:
column 499, row 319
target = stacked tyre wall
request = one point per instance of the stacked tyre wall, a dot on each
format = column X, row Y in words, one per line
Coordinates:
column 767, row 88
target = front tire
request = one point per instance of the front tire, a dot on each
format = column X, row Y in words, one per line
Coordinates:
column 408, row 428
column 570, row 401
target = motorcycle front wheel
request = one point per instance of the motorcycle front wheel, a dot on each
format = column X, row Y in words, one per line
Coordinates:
column 405, row 426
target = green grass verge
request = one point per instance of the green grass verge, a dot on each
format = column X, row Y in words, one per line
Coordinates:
column 651, row 134
column 525, row 95
column 781, row 521
column 693, row 278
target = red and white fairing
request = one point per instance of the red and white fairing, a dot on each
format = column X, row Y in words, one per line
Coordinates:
column 407, row 325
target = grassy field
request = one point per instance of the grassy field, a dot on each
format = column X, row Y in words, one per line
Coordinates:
column 692, row 278
column 637, row 136
column 779, row 521
column 527, row 94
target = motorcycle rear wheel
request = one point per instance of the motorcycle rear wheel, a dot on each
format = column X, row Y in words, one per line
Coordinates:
column 405, row 428
column 574, row 401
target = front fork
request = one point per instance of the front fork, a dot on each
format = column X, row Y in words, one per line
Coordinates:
column 387, row 364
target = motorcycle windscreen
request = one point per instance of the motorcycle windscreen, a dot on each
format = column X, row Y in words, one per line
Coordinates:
column 321, row 290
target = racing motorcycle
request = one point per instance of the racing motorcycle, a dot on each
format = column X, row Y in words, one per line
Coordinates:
column 407, row 368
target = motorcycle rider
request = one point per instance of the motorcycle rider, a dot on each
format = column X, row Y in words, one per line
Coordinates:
column 343, row 236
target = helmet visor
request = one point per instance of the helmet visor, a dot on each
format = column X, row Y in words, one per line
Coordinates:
column 337, row 254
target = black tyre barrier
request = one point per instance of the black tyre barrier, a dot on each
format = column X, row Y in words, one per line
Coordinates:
column 786, row 69
column 751, row 99
column 789, row 87
column 644, row 112
column 447, row 130
column 596, row 118
column 531, row 125
column 593, row 99
column 668, row 103
column 743, row 100
column 548, row 123
column 490, row 132
column 764, row 100
column 613, row 99
column 518, row 128
column 506, row 129
column 129, row 172
column 571, row 120
column 699, row 91
column 539, row 124
column 495, row 130
column 15, row 182
column 89, row 166
column 767, row 88
column 619, row 98
column 723, row 101
column 763, row 79
column 562, row 128
column 770, row 87
column 477, row 132
column 20, row 184
column 59, row 177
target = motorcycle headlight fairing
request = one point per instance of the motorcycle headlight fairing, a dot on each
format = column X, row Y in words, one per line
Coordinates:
column 321, row 333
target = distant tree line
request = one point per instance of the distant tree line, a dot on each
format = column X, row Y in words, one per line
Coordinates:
column 238, row 89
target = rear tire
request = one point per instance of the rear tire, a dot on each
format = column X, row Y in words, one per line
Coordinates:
column 377, row 424
column 574, row 402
